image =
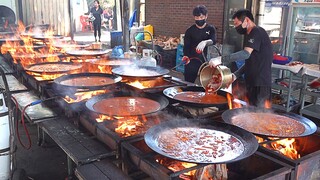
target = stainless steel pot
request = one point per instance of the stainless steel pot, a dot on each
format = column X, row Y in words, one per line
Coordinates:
column 208, row 72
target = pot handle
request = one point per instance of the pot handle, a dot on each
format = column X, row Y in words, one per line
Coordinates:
column 201, row 67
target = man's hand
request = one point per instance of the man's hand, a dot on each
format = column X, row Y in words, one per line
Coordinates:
column 185, row 60
column 214, row 62
column 202, row 45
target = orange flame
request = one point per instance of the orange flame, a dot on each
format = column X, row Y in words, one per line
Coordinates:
column 25, row 53
column 177, row 166
column 126, row 126
column 284, row 146
column 267, row 104
column 81, row 96
column 130, row 126
column 44, row 77
column 102, row 118
column 149, row 83
column 139, row 84
column 232, row 104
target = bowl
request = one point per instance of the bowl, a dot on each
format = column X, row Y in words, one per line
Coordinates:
column 282, row 62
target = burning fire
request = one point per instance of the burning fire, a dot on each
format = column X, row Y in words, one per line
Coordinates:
column 105, row 69
column 129, row 125
column 232, row 104
column 284, row 146
column 139, row 84
column 25, row 53
column 148, row 83
column 81, row 96
column 177, row 166
column 126, row 126
column 44, row 77
column 214, row 171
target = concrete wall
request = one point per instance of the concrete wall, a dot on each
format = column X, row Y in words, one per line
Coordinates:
column 173, row 17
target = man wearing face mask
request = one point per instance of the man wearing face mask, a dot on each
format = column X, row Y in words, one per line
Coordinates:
column 196, row 39
column 258, row 57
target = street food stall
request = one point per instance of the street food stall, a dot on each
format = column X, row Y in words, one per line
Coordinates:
column 115, row 119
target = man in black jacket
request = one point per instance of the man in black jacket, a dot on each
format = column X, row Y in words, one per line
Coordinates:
column 196, row 39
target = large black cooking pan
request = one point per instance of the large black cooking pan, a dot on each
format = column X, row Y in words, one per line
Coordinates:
column 113, row 62
column 133, row 71
column 60, row 81
column 35, row 55
column 70, row 46
column 310, row 127
column 72, row 67
column 163, row 102
column 172, row 91
column 83, row 52
column 247, row 139
column 46, row 37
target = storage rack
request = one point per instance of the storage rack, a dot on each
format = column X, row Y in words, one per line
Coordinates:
column 294, row 82
column 312, row 109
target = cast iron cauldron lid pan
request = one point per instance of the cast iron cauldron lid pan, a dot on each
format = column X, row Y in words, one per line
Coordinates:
column 247, row 139
column 123, row 71
column 76, row 67
column 58, row 81
column 172, row 91
column 310, row 127
column 160, row 99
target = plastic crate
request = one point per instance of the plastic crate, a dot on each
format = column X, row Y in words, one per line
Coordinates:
column 116, row 38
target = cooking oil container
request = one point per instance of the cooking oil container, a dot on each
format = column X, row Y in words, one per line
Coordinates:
column 4, row 140
column 148, row 28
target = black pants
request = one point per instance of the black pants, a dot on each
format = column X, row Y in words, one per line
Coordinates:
column 97, row 29
column 258, row 95
column 191, row 70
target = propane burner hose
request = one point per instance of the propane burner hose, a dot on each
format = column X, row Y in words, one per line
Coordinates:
column 28, row 146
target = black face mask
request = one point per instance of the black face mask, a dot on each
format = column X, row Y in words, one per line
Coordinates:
column 200, row 22
column 241, row 30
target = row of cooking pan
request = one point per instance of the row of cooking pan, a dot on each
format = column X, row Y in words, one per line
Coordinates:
column 170, row 94
column 151, row 137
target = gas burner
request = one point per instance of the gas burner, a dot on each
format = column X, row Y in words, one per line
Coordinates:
column 137, row 156
column 301, row 153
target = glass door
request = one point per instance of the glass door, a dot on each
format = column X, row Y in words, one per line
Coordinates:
column 274, row 22
column 303, row 35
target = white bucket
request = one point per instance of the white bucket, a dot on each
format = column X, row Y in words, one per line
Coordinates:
column 4, row 141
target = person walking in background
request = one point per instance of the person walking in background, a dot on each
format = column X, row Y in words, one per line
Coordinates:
column 196, row 39
column 258, row 57
column 96, row 12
